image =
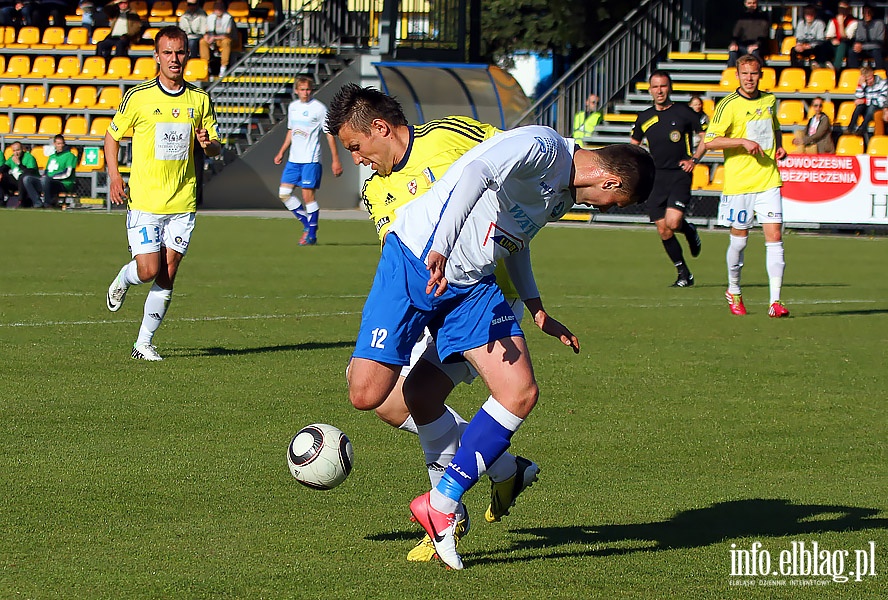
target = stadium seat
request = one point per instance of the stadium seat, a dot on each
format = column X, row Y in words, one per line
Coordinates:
column 162, row 10
column 847, row 83
column 38, row 151
column 791, row 112
column 849, row 144
column 181, row 7
column 119, row 67
column 98, row 126
column 58, row 97
column 17, row 67
column 69, row 66
column 10, row 95
column 789, row 146
column 150, row 34
column 4, row 124
column 829, row 109
column 33, row 96
column 787, row 45
column 50, row 125
column 85, row 96
column 769, row 79
column 52, row 37
column 109, row 98
column 24, row 125
column 728, row 81
column 27, row 36
column 100, row 33
column 821, row 81
column 7, row 36
column 843, row 117
column 239, row 10
column 709, row 106
column 144, row 68
column 700, row 177
column 268, row 7
column 878, row 145
column 140, row 7
column 99, row 166
column 78, row 37
column 43, row 67
column 197, row 69
column 718, row 179
column 93, row 67
column 792, row 79
column 75, row 125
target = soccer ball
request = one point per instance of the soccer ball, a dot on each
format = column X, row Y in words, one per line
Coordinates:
column 320, row 456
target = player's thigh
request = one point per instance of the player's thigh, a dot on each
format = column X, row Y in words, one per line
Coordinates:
column 144, row 232
column 370, row 382
column 737, row 211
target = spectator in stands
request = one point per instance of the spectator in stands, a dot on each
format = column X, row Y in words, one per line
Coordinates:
column 221, row 36
column 696, row 104
column 840, row 33
column 12, row 176
column 868, row 40
column 126, row 29
column 811, row 41
column 58, row 177
column 194, row 23
column 586, row 120
column 871, row 97
column 816, row 138
column 53, row 12
column 22, row 13
column 751, row 34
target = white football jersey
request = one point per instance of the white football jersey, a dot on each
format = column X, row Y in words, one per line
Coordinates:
column 491, row 202
column 305, row 120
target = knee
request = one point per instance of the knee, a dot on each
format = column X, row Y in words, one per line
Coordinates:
column 146, row 272
column 363, row 398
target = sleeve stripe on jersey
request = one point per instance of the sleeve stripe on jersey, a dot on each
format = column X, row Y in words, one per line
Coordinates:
column 129, row 93
column 722, row 106
column 449, row 126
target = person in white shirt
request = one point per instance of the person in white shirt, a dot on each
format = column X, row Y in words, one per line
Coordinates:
column 194, row 23
column 221, row 35
column 305, row 123
column 436, row 270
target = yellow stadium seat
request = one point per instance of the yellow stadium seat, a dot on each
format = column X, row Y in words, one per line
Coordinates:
column 25, row 125
column 878, row 145
column 162, row 9
column 10, row 95
column 821, row 81
column 33, row 96
column 17, row 67
column 718, row 179
column 829, row 109
column 769, row 79
column 85, row 96
column 38, row 151
column 27, row 36
column 109, row 98
column 709, row 106
column 100, row 33
column 849, row 144
column 7, row 36
column 789, row 145
column 75, row 125
column 59, row 97
column 787, row 44
column 267, row 5
column 99, row 126
column 843, row 117
column 78, row 37
column 100, row 165
column 792, row 79
column 847, row 83
column 181, row 7
column 43, row 67
column 729, row 81
column 700, row 177
column 791, row 112
column 52, row 37
column 119, row 67
column 4, row 123
column 150, row 34
column 50, row 125
column 93, row 67
column 140, row 7
column 145, row 68
column 69, row 66
column 197, row 69
column 239, row 10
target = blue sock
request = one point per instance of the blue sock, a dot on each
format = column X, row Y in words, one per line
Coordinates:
column 485, row 439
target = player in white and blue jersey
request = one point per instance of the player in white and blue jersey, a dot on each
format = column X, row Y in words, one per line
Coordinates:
column 437, row 269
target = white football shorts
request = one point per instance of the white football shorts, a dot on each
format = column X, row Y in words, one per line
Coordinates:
column 740, row 211
column 147, row 232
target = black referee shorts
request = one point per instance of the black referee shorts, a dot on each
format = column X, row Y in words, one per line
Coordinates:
column 672, row 189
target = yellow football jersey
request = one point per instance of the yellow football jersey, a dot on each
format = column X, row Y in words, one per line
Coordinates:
column 163, row 179
column 755, row 119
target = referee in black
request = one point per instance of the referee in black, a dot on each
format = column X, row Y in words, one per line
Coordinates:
column 668, row 128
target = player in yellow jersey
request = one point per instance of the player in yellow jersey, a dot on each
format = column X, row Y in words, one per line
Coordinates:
column 745, row 126
column 407, row 160
column 167, row 115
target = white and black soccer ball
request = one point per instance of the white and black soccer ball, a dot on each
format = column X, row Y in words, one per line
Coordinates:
column 320, row 456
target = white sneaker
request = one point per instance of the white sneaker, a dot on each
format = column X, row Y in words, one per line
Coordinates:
column 146, row 352
column 116, row 294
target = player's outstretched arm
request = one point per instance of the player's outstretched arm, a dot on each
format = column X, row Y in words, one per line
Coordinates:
column 550, row 325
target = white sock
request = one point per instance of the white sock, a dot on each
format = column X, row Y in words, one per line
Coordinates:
column 155, row 309
column 735, row 262
column 130, row 274
column 440, row 441
column 409, row 425
column 776, row 265
column 293, row 203
column 312, row 207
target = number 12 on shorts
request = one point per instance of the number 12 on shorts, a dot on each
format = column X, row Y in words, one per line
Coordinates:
column 379, row 336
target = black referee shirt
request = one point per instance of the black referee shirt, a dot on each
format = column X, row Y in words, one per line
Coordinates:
column 668, row 133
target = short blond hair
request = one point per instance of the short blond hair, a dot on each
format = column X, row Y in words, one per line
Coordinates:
column 748, row 59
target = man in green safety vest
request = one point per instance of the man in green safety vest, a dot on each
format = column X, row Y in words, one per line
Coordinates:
column 586, row 120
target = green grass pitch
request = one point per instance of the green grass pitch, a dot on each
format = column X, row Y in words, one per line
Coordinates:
column 678, row 437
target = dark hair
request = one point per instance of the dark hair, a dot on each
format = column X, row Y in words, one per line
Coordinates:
column 359, row 106
column 172, row 32
column 633, row 165
column 659, row 73
column 59, row 137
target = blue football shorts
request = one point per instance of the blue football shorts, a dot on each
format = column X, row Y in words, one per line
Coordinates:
column 304, row 175
column 398, row 309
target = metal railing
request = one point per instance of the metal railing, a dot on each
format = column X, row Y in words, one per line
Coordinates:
column 627, row 51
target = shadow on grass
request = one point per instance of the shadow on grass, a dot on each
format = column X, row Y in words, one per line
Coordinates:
column 845, row 313
column 724, row 284
column 218, row 351
column 695, row 528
